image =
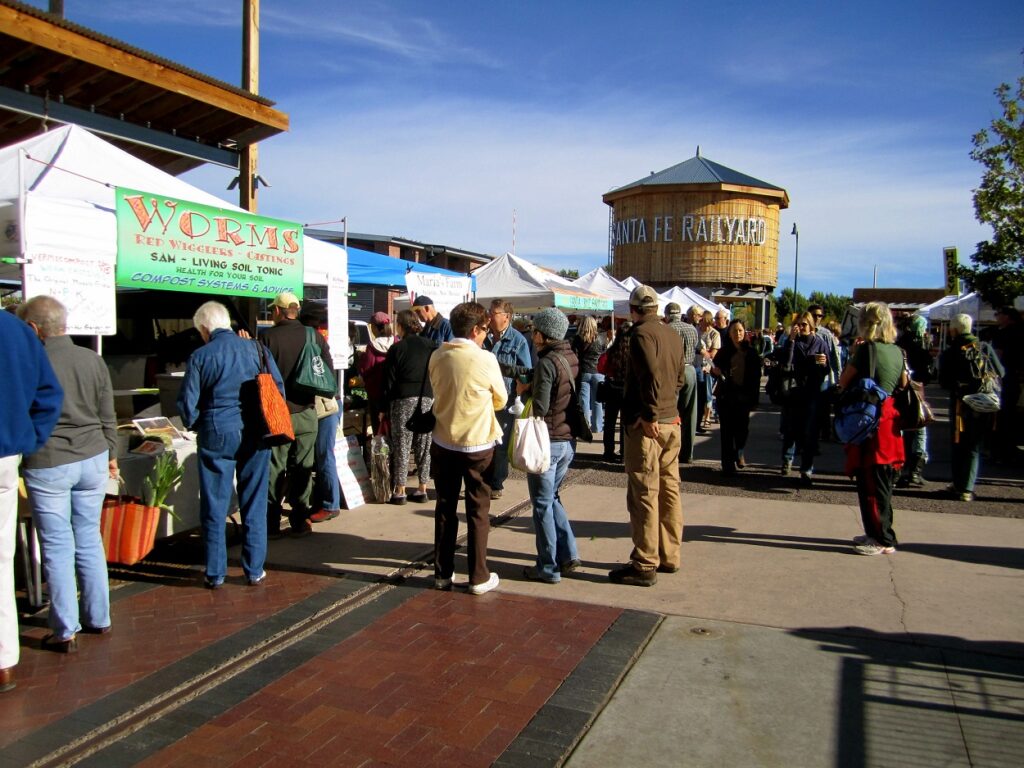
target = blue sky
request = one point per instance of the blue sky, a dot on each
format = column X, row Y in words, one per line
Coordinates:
column 433, row 121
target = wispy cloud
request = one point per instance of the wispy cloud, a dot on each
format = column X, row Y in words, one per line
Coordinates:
column 453, row 171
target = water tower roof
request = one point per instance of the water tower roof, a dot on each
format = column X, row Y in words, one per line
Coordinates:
column 699, row 170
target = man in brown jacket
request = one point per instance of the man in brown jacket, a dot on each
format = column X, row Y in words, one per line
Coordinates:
column 651, row 419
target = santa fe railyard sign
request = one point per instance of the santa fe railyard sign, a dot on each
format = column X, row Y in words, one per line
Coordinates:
column 175, row 245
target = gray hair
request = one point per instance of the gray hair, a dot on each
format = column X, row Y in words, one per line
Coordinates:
column 212, row 316
column 961, row 324
column 45, row 313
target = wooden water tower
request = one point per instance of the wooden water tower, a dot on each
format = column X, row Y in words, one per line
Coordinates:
column 698, row 225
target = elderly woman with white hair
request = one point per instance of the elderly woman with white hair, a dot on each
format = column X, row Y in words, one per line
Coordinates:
column 961, row 368
column 220, row 401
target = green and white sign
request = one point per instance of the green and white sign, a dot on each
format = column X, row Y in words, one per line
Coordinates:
column 584, row 303
column 176, row 245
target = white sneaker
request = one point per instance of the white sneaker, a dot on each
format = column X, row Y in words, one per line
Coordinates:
column 872, row 547
column 487, row 586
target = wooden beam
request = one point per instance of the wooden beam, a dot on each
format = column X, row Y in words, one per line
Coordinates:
column 248, row 162
column 41, row 33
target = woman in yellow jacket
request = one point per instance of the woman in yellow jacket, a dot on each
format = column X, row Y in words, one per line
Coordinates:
column 468, row 389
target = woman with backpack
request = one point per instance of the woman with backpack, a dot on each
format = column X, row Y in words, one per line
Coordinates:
column 963, row 368
column 875, row 462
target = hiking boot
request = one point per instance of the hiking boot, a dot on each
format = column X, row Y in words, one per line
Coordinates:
column 632, row 577
column 569, row 566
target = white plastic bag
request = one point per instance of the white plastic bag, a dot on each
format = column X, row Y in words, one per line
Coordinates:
column 531, row 446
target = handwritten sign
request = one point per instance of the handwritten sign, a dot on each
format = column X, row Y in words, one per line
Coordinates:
column 72, row 262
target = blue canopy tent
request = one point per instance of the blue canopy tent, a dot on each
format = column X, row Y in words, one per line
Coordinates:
column 368, row 268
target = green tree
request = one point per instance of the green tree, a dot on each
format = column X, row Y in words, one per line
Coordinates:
column 569, row 274
column 997, row 270
column 786, row 304
column 835, row 306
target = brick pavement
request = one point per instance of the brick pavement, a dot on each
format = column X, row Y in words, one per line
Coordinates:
column 152, row 628
column 445, row 679
column 376, row 674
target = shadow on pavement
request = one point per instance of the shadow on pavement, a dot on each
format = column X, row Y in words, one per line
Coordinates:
column 936, row 700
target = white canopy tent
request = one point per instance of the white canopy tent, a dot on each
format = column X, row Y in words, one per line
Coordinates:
column 531, row 288
column 599, row 281
column 69, row 172
column 943, row 310
column 687, row 297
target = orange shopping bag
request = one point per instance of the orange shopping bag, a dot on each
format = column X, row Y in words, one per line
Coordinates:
column 129, row 529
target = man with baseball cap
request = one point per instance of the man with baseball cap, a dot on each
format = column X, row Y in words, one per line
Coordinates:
column 291, row 465
column 435, row 326
column 652, row 439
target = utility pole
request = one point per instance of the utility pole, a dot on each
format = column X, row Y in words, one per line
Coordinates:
column 249, row 155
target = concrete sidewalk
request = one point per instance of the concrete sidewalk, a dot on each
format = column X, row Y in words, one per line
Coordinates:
column 781, row 646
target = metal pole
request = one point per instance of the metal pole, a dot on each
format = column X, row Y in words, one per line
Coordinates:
column 796, row 262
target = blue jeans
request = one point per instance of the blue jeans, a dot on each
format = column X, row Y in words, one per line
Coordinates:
column 556, row 543
column 593, row 410
column 967, row 446
column 222, row 455
column 328, row 490
column 66, row 505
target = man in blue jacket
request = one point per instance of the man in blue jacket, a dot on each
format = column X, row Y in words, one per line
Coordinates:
column 30, row 403
column 512, row 350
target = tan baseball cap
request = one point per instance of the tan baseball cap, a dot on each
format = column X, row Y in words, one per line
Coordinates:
column 643, row 296
column 286, row 300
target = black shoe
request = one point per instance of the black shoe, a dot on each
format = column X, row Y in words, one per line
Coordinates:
column 417, row 497
column 632, row 577
column 668, row 568
column 701, row 431
column 300, row 529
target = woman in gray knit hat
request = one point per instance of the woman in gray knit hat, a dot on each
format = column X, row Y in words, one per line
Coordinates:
column 554, row 378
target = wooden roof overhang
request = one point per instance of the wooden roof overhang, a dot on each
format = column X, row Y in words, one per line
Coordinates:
column 778, row 194
column 54, row 71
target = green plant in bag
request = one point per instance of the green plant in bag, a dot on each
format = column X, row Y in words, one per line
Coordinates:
column 165, row 477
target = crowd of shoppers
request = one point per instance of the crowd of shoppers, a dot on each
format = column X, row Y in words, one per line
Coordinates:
column 645, row 386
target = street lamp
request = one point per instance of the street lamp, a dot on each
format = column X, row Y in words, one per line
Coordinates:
column 796, row 263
